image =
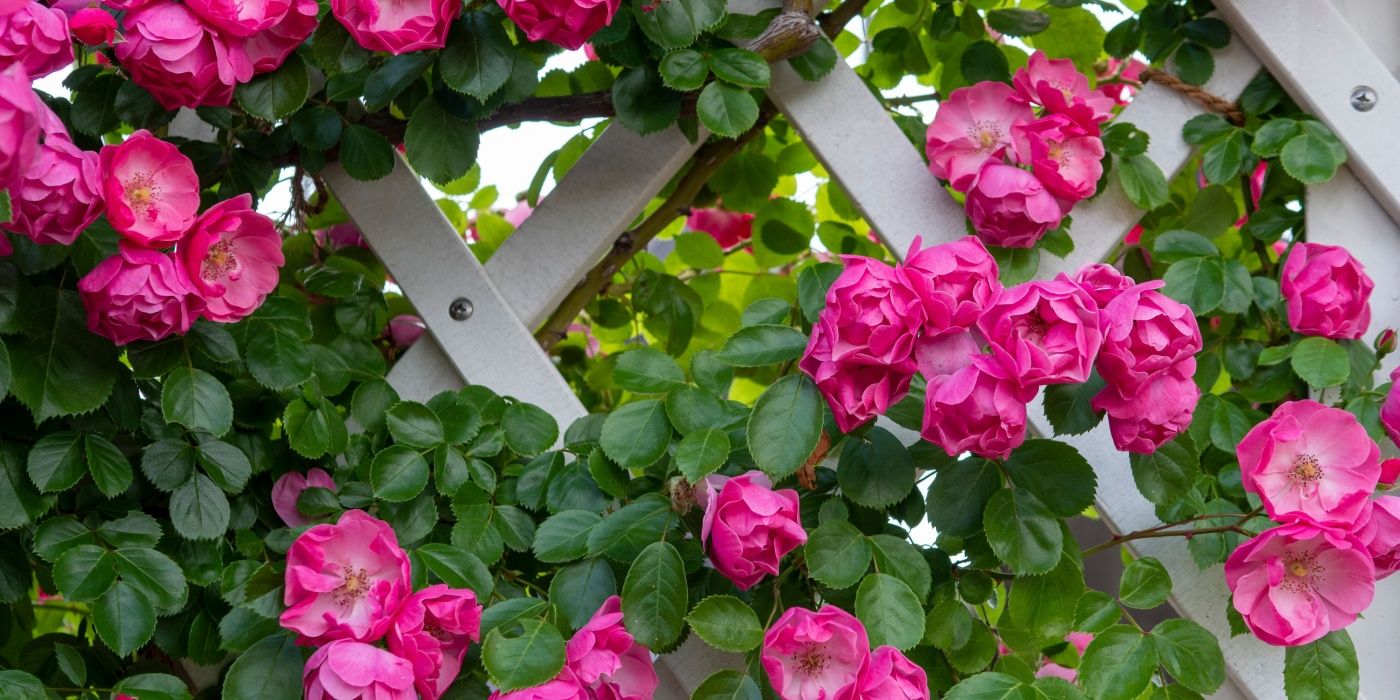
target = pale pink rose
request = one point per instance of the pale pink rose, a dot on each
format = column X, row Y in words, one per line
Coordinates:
column 1327, row 290
column 397, row 26
column 887, row 675
column 1050, row 669
column 1060, row 88
column 1009, row 207
column 20, row 118
column 562, row 687
column 232, row 255
column 1310, row 460
column 345, row 581
column 568, row 23
column 1080, row 640
column 972, row 128
column 748, row 527
column 980, row 408
column 36, row 38
column 240, row 17
column 267, row 49
column 955, row 281
column 1145, row 333
column 406, row 329
column 1066, row 159
column 590, row 52
column 93, row 26
column 183, row 63
column 350, row 670
column 432, row 630
column 151, row 190
column 1296, row 583
column 1148, row 417
column 516, row 215
column 1045, row 332
column 813, row 655
column 728, row 228
column 1379, row 529
column 59, row 196
column 607, row 661
column 1103, row 282
column 287, row 491
column 138, row 294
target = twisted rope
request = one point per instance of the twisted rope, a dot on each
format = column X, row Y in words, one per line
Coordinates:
column 1200, row 95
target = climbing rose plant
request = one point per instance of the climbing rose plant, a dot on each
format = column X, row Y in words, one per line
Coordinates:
column 851, row 467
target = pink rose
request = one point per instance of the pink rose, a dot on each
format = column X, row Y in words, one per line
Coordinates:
column 1060, row 88
column 340, row 236
column 9, row 7
column 1120, row 93
column 1080, row 640
column 35, row 37
column 1050, row 669
column 138, row 294
column 267, row 49
column 945, row 353
column 287, row 491
column 1145, row 333
column 980, row 408
column 397, row 26
column 59, row 196
column 748, row 527
column 406, row 329
column 183, row 63
column 1390, row 471
column 567, row 23
column 813, row 655
column 345, row 581
column 93, row 26
column 240, row 17
column 1310, row 460
column 1144, row 419
column 887, row 675
column 1379, row 529
column 349, row 670
column 972, row 128
column 1296, row 583
column 728, row 228
column 955, row 281
column 517, row 214
column 20, row 114
column 607, row 661
column 151, row 190
column 1009, row 207
column 6, row 248
column 232, row 255
column 1327, row 290
column 1066, row 159
column 432, row 631
column 562, row 687
column 1103, row 282
column 1045, row 332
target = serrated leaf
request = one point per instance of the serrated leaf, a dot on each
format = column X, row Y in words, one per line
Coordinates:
column 124, row 618
column 785, row 425
column 195, row 399
column 890, row 611
column 1022, row 531
column 726, row 623
column 837, row 554
column 655, row 596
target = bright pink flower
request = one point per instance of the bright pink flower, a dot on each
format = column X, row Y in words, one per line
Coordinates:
column 432, row 630
column 1144, row 419
column 183, row 63
column 267, row 49
column 21, row 114
column 955, row 281
column 340, row 236
column 748, row 527
column 980, row 408
column 397, row 26
column 232, row 255
column 1295, row 583
column 1080, row 640
column 972, row 128
column 151, row 190
column 1379, row 529
column 9, row 7
column 59, row 196
column 516, row 215
column 93, row 26
column 6, row 248
column 1121, row 93
column 887, row 675
column 1060, row 88
column 1103, row 282
column 1009, row 207
column 350, row 670
column 945, row 353
column 406, row 329
column 728, row 228
column 345, row 581
column 1145, row 333
column 568, row 23
column 813, row 655
column 1050, row 669
column 287, row 491
column 138, row 294
column 36, row 38
column 240, row 17
column 1310, row 460
column 1045, row 332
column 1066, row 159
column 1390, row 471
column 607, row 661
column 1327, row 290
column 590, row 52
column 563, row 687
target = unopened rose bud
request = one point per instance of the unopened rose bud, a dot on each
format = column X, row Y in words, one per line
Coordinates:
column 92, row 26
column 1385, row 342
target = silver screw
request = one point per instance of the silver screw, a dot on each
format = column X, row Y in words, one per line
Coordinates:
column 460, row 309
column 1363, row 98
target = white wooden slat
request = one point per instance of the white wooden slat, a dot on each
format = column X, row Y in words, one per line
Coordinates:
column 423, row 371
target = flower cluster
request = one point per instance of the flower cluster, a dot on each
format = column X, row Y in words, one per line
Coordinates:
column 225, row 261
column 601, row 660
column 1021, row 172
column 984, row 351
column 826, row 655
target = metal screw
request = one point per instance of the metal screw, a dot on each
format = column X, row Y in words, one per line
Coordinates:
column 1363, row 98
column 460, row 309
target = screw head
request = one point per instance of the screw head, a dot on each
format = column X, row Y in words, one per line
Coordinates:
column 460, row 309
column 1363, row 98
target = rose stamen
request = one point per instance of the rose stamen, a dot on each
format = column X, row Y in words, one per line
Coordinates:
column 812, row 660
column 353, row 588
column 219, row 262
column 1306, row 469
column 141, row 193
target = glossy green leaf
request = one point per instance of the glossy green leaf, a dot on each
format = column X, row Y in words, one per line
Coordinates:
column 890, row 611
column 648, row 370
column 1322, row 670
column 837, row 554
column 1145, row 584
column 636, row 435
column 726, row 623
column 398, row 473
column 655, row 596
column 785, row 426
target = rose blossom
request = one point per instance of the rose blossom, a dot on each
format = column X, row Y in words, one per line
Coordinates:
column 607, row 661
column 728, row 228
column 1310, row 460
column 432, row 630
column 1045, row 332
column 59, row 196
column 406, row 329
column 1295, row 583
column 183, row 63
column 1390, row 471
column 1066, row 160
column 1327, row 290
column 93, row 26
column 138, row 294
column 36, row 38
column 562, row 687
column 349, row 670
column 240, row 17
column 748, row 527
column 1010, row 208
column 1146, row 332
column 813, row 655
column 1143, row 419
column 955, row 281
column 972, row 128
column 568, row 23
column 887, row 675
column 20, row 118
column 6, row 248
column 267, row 49
column 344, row 581
column 232, row 255
column 1379, row 529
column 516, row 215
column 1103, row 282
column 397, row 26
column 980, row 408
column 287, row 491
column 1060, row 88
column 339, row 236
column 151, row 190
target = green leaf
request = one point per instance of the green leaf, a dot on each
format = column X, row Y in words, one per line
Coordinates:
column 643, row 103
column 153, row 686
column 366, row 156
column 71, row 663
column 168, row 464
column 274, row 95
column 1018, row 22
column 440, row 145
column 336, row 51
column 785, row 425
column 457, row 568
column 1206, row 284
column 398, row 473
column 84, row 573
column 393, row 77
column 655, row 596
column 818, row 60
column 676, row 24
column 990, row 686
column 763, row 344
column 1022, row 531
column 124, row 618
column 725, row 109
column 516, row 526
column 1124, row 139
column 1321, row 362
column 21, row 686
column 623, row 534
column 875, row 469
column 1191, row 654
column 226, row 464
column 195, row 399
column 903, row 560
column 135, row 529
column 1143, row 182
column 1323, row 670
column 637, row 434
column 1118, row 664
column 317, row 127
column 199, row 510
column 1069, row 409
column 1314, row 155
column 1194, row 63
column 56, row 461
column 1206, row 128
column 890, row 611
column 699, row 250
column 1273, row 135
column 579, row 589
column 648, row 370
column 109, row 467
column 1173, row 246
column 1167, row 475
column 94, row 107
column 702, row 452
column 371, row 403
column 312, row 432
column 276, row 356
column 684, row 70
column 56, row 536
column 959, row 496
column 726, row 623
column 1223, row 159
column 726, row 685
column 479, row 56
column 1145, row 584
column 59, row 368
column 155, row 575
column 531, row 657
column 1055, row 473
column 837, row 554
column 564, row 536
column 269, row 669
column 1041, row 609
column 413, row 424
column 739, row 66
column 983, row 61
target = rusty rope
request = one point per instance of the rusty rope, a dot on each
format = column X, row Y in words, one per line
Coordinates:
column 1200, row 95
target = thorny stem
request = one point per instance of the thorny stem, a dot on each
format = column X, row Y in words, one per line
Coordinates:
column 1163, row 531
